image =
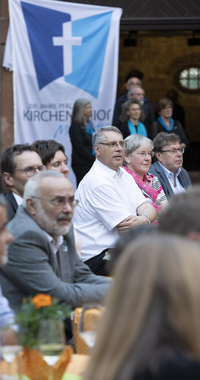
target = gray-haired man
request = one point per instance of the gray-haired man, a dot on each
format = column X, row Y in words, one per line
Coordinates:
column 110, row 202
column 42, row 258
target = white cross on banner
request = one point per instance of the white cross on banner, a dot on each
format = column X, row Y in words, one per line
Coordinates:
column 61, row 52
column 67, row 41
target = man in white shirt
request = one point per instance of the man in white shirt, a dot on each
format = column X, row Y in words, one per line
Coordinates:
column 110, row 202
column 168, row 167
column 18, row 163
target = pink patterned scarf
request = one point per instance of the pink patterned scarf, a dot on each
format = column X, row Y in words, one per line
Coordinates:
column 145, row 187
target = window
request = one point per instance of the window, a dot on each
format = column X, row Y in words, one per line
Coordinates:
column 188, row 79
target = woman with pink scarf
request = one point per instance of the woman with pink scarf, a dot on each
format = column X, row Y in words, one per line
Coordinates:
column 138, row 154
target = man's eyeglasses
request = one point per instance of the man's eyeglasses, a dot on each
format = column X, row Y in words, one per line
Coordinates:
column 60, row 201
column 114, row 144
column 30, row 170
column 174, row 151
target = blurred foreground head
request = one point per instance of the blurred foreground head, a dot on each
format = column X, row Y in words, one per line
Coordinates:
column 152, row 308
column 182, row 214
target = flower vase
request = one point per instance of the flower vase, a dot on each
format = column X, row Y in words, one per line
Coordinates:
column 36, row 368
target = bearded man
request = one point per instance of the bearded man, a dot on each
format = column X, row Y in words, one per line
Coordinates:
column 42, row 258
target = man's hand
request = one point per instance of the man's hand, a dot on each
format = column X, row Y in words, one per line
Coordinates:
column 130, row 222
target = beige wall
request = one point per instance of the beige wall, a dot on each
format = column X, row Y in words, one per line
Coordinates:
column 159, row 55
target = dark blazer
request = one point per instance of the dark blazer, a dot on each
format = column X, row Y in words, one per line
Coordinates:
column 81, row 145
column 158, row 171
column 11, row 205
column 33, row 268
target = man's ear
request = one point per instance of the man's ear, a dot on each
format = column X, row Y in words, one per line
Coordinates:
column 8, row 179
column 31, row 207
column 158, row 155
column 96, row 149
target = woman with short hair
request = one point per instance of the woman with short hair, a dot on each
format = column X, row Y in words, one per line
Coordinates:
column 150, row 328
column 81, row 132
column 131, row 118
column 137, row 161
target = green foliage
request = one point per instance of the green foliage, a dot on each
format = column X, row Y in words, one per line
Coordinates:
column 29, row 318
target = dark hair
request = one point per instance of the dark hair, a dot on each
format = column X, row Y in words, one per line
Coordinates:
column 125, row 107
column 163, row 139
column 182, row 214
column 47, row 149
column 172, row 95
column 7, row 158
column 163, row 103
column 134, row 73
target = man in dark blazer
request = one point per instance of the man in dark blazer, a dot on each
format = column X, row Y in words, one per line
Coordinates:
column 168, row 168
column 18, row 163
column 42, row 258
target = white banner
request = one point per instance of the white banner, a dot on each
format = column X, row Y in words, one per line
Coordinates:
column 61, row 52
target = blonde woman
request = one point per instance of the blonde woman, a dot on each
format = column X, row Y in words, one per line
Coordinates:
column 151, row 326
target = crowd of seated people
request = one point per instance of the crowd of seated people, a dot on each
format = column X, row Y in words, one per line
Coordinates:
column 64, row 243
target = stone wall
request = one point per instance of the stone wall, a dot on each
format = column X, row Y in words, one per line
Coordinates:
column 159, row 55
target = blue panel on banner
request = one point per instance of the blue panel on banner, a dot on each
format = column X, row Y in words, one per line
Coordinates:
column 42, row 24
column 88, row 58
column 75, row 50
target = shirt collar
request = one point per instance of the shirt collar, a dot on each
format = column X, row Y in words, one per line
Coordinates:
column 55, row 243
column 168, row 172
column 109, row 171
column 18, row 199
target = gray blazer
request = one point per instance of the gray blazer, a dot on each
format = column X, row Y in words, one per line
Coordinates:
column 33, row 268
column 158, row 171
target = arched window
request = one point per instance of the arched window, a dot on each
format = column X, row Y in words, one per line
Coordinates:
column 188, row 79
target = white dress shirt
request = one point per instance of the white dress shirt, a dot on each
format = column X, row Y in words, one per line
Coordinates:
column 18, row 199
column 106, row 198
column 173, row 179
column 54, row 243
